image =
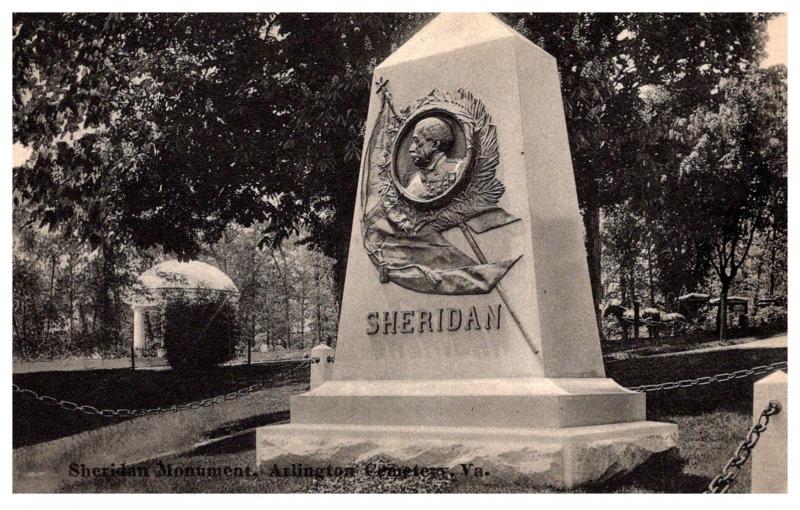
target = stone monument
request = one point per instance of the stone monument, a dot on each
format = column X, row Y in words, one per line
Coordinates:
column 467, row 332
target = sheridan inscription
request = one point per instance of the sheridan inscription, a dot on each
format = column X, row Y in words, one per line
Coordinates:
column 434, row 321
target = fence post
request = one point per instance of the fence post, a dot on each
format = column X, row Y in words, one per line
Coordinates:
column 769, row 458
column 323, row 370
column 636, row 321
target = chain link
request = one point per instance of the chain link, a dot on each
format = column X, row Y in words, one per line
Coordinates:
column 126, row 413
column 722, row 482
column 316, row 359
column 708, row 379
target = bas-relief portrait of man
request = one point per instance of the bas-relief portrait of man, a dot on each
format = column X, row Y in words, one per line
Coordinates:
column 430, row 162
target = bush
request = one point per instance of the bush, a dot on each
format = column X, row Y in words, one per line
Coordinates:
column 769, row 319
column 200, row 331
column 699, row 327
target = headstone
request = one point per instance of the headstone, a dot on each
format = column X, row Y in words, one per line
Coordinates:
column 770, row 456
column 467, row 332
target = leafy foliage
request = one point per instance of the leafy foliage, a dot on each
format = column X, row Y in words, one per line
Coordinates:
column 770, row 319
column 163, row 130
column 200, row 331
column 608, row 63
column 736, row 172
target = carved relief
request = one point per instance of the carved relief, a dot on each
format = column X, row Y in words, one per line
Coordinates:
column 429, row 168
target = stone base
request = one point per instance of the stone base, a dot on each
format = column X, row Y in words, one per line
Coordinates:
column 544, row 457
column 547, row 432
column 512, row 402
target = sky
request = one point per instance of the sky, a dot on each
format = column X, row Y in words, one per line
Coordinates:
column 776, row 43
column 776, row 54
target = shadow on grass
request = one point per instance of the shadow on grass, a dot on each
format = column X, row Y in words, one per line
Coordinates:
column 35, row 422
column 234, row 444
column 249, row 423
column 645, row 346
column 662, row 473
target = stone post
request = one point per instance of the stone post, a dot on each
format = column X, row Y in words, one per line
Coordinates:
column 769, row 474
column 322, row 371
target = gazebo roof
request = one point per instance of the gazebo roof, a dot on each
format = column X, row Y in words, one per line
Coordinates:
column 174, row 275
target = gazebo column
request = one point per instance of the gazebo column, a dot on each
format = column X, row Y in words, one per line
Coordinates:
column 138, row 328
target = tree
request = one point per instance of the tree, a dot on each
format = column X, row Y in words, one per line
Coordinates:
column 162, row 129
column 605, row 61
column 624, row 237
column 285, row 292
column 736, row 173
column 67, row 297
column 677, row 252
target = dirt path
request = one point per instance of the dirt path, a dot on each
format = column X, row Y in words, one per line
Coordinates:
column 141, row 363
column 775, row 342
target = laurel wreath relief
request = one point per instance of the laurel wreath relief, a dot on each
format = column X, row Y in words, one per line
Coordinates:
column 482, row 190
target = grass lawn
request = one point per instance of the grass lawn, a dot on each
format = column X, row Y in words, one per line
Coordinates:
column 712, row 420
column 122, row 388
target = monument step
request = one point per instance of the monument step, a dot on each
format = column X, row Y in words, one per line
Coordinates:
column 503, row 403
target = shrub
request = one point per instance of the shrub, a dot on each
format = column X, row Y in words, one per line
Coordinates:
column 200, row 331
column 770, row 319
column 699, row 327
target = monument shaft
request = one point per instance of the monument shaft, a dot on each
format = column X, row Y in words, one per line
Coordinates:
column 467, row 327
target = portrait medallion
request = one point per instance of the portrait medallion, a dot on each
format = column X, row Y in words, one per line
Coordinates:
column 430, row 158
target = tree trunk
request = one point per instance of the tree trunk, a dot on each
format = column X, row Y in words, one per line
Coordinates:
column 650, row 275
column 722, row 312
column 107, row 328
column 773, row 250
column 71, row 299
column 288, row 314
column 83, row 320
column 302, row 314
column 319, row 323
column 287, row 303
column 251, row 338
column 623, row 282
column 47, row 319
column 759, row 274
column 591, row 222
column 318, row 295
column 341, row 248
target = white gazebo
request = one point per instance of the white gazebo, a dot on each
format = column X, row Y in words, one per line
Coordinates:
column 171, row 276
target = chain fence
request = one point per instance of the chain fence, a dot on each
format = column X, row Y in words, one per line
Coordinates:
column 127, row 413
column 722, row 482
column 708, row 379
column 304, row 362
